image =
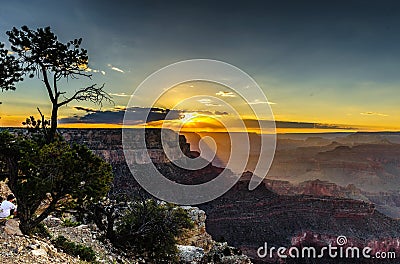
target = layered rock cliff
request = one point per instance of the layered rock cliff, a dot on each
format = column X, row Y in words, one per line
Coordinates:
column 248, row 219
column 107, row 143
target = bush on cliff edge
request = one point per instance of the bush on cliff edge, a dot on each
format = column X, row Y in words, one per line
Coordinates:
column 149, row 229
column 49, row 177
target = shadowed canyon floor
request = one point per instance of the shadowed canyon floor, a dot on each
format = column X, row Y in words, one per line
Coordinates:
column 323, row 185
column 367, row 165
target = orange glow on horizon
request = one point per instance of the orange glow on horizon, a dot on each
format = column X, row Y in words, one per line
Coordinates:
column 201, row 123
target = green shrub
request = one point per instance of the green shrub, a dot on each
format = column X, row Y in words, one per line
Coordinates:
column 149, row 229
column 75, row 249
column 69, row 223
column 72, row 175
column 42, row 231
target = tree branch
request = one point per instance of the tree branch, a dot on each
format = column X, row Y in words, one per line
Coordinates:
column 56, row 94
column 47, row 211
column 91, row 93
column 46, row 82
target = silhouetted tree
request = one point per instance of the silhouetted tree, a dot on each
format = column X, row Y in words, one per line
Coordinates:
column 10, row 70
column 38, row 53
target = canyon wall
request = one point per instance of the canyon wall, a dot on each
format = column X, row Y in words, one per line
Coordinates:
column 107, row 143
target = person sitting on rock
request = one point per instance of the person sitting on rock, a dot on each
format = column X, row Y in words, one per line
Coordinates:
column 7, row 208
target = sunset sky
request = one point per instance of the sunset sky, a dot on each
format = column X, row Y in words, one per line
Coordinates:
column 323, row 65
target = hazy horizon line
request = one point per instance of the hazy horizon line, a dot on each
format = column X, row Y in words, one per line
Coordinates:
column 205, row 131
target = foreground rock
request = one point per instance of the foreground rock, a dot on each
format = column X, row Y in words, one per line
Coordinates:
column 11, row 228
column 190, row 254
column 24, row 249
column 197, row 237
column 224, row 254
column 87, row 235
column 18, row 248
column 199, row 247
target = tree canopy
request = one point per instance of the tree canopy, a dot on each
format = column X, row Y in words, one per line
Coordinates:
column 49, row 177
column 38, row 53
column 10, row 70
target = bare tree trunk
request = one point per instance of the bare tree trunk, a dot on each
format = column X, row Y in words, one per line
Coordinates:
column 100, row 211
column 110, row 234
column 53, row 123
column 25, row 219
column 25, row 227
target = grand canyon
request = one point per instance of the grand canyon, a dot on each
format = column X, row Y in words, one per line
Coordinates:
column 319, row 187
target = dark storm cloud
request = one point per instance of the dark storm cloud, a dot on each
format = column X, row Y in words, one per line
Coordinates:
column 253, row 123
column 285, row 124
column 86, row 109
column 137, row 115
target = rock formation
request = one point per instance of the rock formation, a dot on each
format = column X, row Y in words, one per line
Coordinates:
column 310, row 198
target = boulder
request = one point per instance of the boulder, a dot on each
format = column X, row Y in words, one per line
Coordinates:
column 12, row 227
column 190, row 254
column 39, row 252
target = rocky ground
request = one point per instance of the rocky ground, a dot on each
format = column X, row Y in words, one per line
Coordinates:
column 17, row 248
column 87, row 235
column 196, row 246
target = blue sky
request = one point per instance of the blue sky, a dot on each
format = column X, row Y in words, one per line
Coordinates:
column 331, row 62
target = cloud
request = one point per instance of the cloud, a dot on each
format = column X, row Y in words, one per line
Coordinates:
column 373, row 114
column 88, row 69
column 206, row 112
column 257, row 102
column 115, row 68
column 104, row 117
column 207, row 102
column 137, row 115
column 253, row 123
column 204, row 101
column 119, row 107
column 213, row 104
column 142, row 115
column 86, row 109
column 120, row 94
column 288, row 124
column 225, row 94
